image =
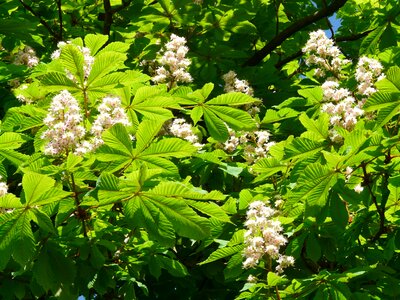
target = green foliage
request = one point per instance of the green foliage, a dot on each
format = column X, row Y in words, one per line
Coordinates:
column 157, row 212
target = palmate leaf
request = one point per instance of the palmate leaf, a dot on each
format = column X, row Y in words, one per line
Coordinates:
column 153, row 103
column 95, row 41
column 145, row 214
column 313, row 188
column 24, row 243
column 184, row 220
column 72, row 59
column 57, row 81
column 267, row 167
column 145, row 133
column 303, row 147
column 105, row 63
column 316, row 129
column 39, row 190
column 19, row 119
column 16, row 237
column 52, row 270
column 154, row 161
column 118, row 138
column 387, row 104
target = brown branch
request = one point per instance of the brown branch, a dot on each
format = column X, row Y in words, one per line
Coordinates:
column 60, row 19
column 107, row 17
column 292, row 29
column 348, row 38
column 109, row 12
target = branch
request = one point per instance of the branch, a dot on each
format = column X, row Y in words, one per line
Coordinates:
column 349, row 38
column 41, row 20
column 60, row 19
column 292, row 29
column 109, row 12
column 107, row 17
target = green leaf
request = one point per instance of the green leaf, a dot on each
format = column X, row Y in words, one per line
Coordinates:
column 105, row 63
column 313, row 95
column 313, row 188
column 184, row 220
column 72, row 59
column 318, row 128
column 222, row 253
column 24, row 244
column 273, row 116
column 39, row 189
column 267, row 167
column 202, row 94
column 145, row 133
column 57, row 81
column 313, row 249
column 370, row 43
column 196, row 113
column 174, row 267
column 94, row 42
column 210, row 209
column 233, row 98
column 46, row 270
column 274, row 280
column 169, row 147
column 35, row 185
column 11, row 140
column 303, row 147
column 235, row 118
column 145, row 214
column 215, row 126
column 118, row 138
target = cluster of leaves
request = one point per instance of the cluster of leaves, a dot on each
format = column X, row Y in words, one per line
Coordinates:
column 154, row 217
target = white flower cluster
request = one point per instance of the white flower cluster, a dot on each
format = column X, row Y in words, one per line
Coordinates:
column 3, row 187
column 110, row 113
column 264, row 237
column 233, row 84
column 181, row 129
column 343, row 108
column 368, row 72
column 27, row 57
column 323, row 54
column 65, row 131
column 174, row 63
column 255, row 144
column 63, row 121
column 88, row 60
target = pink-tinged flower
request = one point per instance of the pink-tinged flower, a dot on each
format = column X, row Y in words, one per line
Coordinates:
column 63, row 121
column 174, row 63
column 263, row 237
